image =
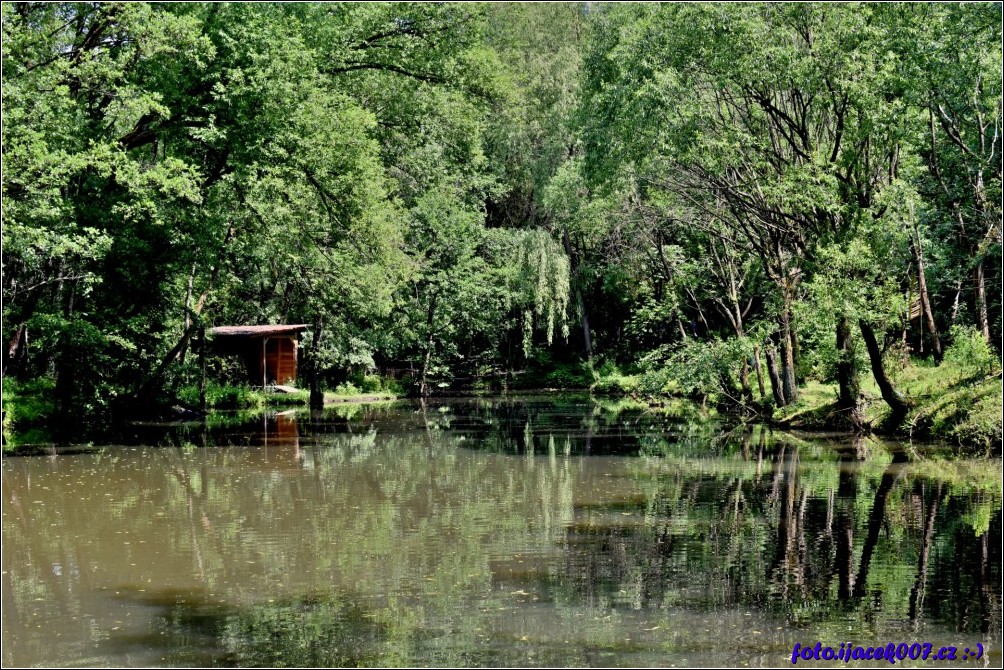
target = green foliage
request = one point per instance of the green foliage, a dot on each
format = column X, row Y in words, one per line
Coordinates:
column 980, row 424
column 543, row 371
column 970, row 352
column 695, row 367
column 26, row 405
column 659, row 381
column 370, row 383
column 225, row 396
column 615, row 383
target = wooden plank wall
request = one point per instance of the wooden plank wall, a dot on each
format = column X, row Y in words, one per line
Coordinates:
column 280, row 360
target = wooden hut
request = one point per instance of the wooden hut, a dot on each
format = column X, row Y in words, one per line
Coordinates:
column 269, row 352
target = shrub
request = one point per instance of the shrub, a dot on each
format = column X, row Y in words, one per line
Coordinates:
column 612, row 381
column 371, row 384
column 28, row 403
column 970, row 352
column 658, row 381
column 617, row 384
column 223, row 396
column 570, row 376
column 396, row 386
column 347, row 388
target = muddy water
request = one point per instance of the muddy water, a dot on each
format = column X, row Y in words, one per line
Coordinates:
column 547, row 532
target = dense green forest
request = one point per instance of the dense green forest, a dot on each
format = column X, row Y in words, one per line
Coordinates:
column 788, row 210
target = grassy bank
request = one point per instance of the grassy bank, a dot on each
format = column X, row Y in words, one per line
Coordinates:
column 951, row 402
column 226, row 396
column 222, row 396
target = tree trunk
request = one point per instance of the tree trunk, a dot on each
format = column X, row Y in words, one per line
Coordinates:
column 15, row 349
column 202, row 370
column 955, row 303
column 796, row 352
column 316, row 395
column 587, row 339
column 981, row 302
column 423, row 388
column 847, row 376
column 775, row 380
column 896, row 402
column 679, row 326
column 744, row 380
column 788, row 383
column 66, row 374
column 171, row 356
column 759, row 371
column 925, row 300
column 188, row 309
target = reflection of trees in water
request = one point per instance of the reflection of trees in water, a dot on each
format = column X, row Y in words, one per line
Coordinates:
column 969, row 568
column 796, row 541
column 395, row 501
column 581, row 426
column 308, row 632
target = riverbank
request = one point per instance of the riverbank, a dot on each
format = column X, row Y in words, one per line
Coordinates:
column 952, row 402
column 947, row 402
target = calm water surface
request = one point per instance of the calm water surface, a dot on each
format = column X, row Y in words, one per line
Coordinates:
column 533, row 532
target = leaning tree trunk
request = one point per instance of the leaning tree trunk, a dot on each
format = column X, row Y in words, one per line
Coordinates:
column 847, row 376
column 897, row 403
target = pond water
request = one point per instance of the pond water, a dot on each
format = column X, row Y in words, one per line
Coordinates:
column 516, row 532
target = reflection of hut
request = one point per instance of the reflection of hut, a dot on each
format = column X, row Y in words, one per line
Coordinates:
column 269, row 352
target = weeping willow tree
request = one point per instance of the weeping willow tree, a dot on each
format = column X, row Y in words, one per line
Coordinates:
column 543, row 285
column 474, row 292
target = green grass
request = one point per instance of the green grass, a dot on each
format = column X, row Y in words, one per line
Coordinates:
column 227, row 396
column 952, row 401
column 813, row 409
column 348, row 393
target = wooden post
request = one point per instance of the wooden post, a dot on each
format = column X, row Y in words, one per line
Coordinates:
column 264, row 361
